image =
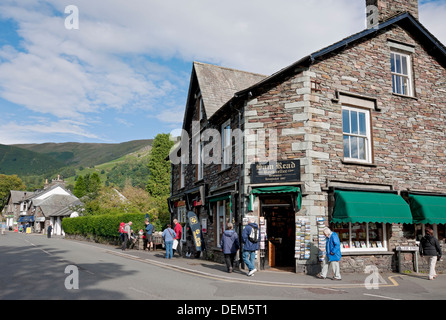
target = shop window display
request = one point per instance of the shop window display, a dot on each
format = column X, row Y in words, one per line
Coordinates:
column 441, row 232
column 224, row 215
column 361, row 236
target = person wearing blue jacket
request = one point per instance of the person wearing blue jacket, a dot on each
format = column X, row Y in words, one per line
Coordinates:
column 168, row 236
column 229, row 246
column 149, row 231
column 333, row 255
column 250, row 247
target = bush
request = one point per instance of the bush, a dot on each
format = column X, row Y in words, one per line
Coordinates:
column 106, row 226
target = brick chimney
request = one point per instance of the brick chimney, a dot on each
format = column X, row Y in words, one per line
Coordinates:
column 381, row 10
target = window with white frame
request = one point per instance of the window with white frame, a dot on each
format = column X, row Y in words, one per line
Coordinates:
column 182, row 218
column 401, row 73
column 224, row 216
column 356, row 134
column 226, row 145
column 361, row 236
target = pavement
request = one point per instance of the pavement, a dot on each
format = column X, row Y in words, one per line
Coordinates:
column 269, row 277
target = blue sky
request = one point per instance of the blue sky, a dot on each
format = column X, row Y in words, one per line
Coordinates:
column 124, row 74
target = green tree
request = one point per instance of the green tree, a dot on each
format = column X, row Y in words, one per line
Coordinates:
column 94, row 183
column 158, row 184
column 80, row 188
column 8, row 183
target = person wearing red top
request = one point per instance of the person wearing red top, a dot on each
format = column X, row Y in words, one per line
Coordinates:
column 178, row 230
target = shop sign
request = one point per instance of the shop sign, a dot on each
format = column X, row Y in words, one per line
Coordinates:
column 407, row 248
column 195, row 229
column 198, row 203
column 180, row 203
column 276, row 171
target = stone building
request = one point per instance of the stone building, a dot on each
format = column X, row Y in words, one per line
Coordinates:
column 351, row 136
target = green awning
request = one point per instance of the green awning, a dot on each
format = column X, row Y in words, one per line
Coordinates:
column 272, row 190
column 219, row 198
column 428, row 209
column 226, row 197
column 360, row 206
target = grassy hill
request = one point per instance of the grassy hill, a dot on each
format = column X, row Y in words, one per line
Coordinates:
column 117, row 171
column 86, row 154
column 34, row 163
column 19, row 161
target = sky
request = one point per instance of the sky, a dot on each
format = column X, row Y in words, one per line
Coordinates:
column 110, row 71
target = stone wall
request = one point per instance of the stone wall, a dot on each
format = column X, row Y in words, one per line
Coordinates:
column 305, row 113
column 409, row 140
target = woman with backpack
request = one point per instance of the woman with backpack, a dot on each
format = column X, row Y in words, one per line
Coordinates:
column 431, row 250
column 125, row 231
column 229, row 246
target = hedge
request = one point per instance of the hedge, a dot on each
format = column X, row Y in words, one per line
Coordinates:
column 102, row 225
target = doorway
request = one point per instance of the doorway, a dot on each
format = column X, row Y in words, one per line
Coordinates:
column 279, row 218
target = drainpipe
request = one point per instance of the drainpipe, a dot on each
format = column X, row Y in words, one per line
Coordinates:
column 241, row 185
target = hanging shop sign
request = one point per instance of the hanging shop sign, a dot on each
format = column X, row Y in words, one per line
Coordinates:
column 180, row 203
column 276, row 171
column 195, row 229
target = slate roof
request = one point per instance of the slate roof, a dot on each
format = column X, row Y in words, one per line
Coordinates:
column 18, row 196
column 67, row 211
column 51, row 205
column 218, row 84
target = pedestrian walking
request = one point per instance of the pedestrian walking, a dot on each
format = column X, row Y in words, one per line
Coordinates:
column 250, row 239
column 126, row 234
column 168, row 237
column 333, row 255
column 230, row 245
column 49, row 230
column 177, row 241
column 149, row 233
column 431, row 251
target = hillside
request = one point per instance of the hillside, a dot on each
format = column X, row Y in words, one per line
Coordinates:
column 34, row 163
column 86, row 154
column 131, row 167
column 14, row 160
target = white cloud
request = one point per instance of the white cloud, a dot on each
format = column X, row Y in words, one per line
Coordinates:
column 116, row 61
column 23, row 132
column 124, row 122
column 170, row 115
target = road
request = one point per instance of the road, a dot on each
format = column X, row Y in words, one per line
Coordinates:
column 35, row 267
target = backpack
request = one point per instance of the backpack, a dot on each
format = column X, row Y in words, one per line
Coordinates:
column 254, row 235
column 121, row 227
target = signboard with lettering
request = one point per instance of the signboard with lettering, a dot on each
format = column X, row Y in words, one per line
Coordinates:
column 195, row 229
column 276, row 171
column 407, row 248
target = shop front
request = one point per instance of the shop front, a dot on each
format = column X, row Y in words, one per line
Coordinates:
column 277, row 218
column 181, row 206
column 371, row 226
column 277, row 207
column 26, row 222
column 275, row 199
